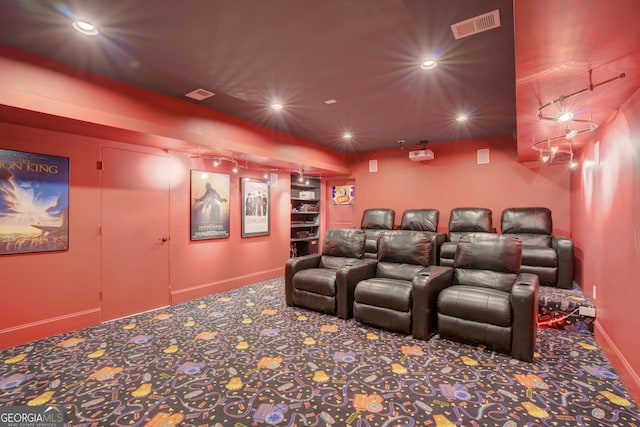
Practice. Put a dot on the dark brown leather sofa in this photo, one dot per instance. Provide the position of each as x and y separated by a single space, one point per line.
548 256
463 221
325 282
425 220
490 302
374 221
387 300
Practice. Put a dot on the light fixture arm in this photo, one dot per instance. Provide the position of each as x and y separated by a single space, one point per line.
562 98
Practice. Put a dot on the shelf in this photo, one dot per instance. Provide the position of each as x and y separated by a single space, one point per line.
303 186
305 222
304 239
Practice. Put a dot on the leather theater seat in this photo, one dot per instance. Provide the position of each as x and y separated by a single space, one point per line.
386 301
374 221
425 220
490 302
463 221
548 256
325 282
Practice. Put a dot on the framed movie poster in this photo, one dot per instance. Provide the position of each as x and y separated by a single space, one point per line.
209 205
256 210
34 202
343 194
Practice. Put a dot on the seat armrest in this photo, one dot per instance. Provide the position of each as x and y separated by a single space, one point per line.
425 289
564 249
347 277
292 266
524 306
437 239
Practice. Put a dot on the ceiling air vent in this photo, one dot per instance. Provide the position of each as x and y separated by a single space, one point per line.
476 25
199 94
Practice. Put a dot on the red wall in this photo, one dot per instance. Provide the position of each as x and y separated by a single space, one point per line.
50 108
48 293
202 267
605 206
454 179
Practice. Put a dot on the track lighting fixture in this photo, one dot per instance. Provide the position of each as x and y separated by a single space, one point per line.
267 173
560 147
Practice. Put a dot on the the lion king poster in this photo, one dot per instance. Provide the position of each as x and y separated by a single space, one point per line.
34 202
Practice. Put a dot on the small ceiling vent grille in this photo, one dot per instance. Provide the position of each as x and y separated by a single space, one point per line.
476 24
199 94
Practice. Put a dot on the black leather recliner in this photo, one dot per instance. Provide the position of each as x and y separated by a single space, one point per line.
462 222
374 221
425 220
325 282
548 256
387 300
490 302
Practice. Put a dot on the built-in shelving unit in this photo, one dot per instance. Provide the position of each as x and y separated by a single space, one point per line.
305 215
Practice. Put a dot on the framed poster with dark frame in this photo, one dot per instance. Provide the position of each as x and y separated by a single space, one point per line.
34 202
256 207
209 205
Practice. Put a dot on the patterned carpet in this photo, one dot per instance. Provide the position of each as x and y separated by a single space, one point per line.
560 309
242 358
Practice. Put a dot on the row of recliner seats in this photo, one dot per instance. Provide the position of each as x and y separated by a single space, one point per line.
484 299
548 256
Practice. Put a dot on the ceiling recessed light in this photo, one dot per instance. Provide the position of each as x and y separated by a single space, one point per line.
429 64
565 117
347 135
277 106
462 118
85 27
